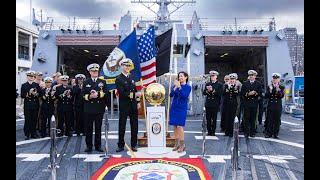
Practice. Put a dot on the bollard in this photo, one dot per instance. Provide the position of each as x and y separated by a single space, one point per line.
53 149
106 129
204 131
235 149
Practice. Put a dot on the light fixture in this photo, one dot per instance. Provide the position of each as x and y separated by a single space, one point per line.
198 36
78 31
86 50
93 31
45 35
224 30
223 55
261 30
69 30
246 31
255 30
197 52
239 31
84 31
63 30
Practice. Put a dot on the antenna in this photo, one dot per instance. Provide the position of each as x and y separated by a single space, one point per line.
163 14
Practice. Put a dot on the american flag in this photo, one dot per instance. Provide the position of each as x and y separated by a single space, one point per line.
147 55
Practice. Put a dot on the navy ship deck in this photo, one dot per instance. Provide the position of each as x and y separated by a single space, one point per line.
260 158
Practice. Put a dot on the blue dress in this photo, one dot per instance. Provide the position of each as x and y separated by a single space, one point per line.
179 105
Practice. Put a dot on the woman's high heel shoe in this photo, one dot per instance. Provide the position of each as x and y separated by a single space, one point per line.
176 145
182 146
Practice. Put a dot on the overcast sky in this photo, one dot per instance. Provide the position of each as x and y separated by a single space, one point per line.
287 13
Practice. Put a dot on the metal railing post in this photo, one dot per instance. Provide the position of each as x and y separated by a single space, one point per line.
203 131
106 130
235 150
53 149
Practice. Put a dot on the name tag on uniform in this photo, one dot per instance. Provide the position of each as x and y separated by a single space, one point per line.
88 85
131 95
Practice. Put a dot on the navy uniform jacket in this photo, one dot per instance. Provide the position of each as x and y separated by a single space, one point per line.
213 97
274 97
95 105
251 100
230 94
47 99
30 101
125 85
64 103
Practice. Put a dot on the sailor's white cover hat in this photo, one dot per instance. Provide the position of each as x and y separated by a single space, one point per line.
125 61
213 73
93 67
250 72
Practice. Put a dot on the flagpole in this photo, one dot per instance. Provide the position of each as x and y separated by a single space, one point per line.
170 74
144 102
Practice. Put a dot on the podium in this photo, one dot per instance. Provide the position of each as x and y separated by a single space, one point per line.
156 130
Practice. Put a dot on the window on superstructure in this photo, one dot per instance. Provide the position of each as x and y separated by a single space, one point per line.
23 46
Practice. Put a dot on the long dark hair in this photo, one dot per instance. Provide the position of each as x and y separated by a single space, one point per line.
185 74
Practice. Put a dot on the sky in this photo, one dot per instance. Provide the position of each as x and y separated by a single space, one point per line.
256 13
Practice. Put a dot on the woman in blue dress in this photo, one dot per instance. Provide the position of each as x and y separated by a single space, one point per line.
178 110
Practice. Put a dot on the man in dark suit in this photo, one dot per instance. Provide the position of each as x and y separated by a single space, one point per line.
250 92
213 91
64 95
30 92
93 92
127 105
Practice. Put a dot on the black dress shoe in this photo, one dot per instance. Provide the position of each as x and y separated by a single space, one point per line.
275 136
213 134
267 136
252 135
27 138
134 149
99 149
88 150
119 149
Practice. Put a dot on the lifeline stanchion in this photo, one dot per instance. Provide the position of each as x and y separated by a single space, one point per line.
235 149
53 149
203 132
106 130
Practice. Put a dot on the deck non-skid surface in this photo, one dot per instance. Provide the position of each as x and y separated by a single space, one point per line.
260 158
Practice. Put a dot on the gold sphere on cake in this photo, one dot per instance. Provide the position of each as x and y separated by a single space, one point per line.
155 93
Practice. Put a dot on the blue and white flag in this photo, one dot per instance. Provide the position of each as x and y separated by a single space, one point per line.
126 49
